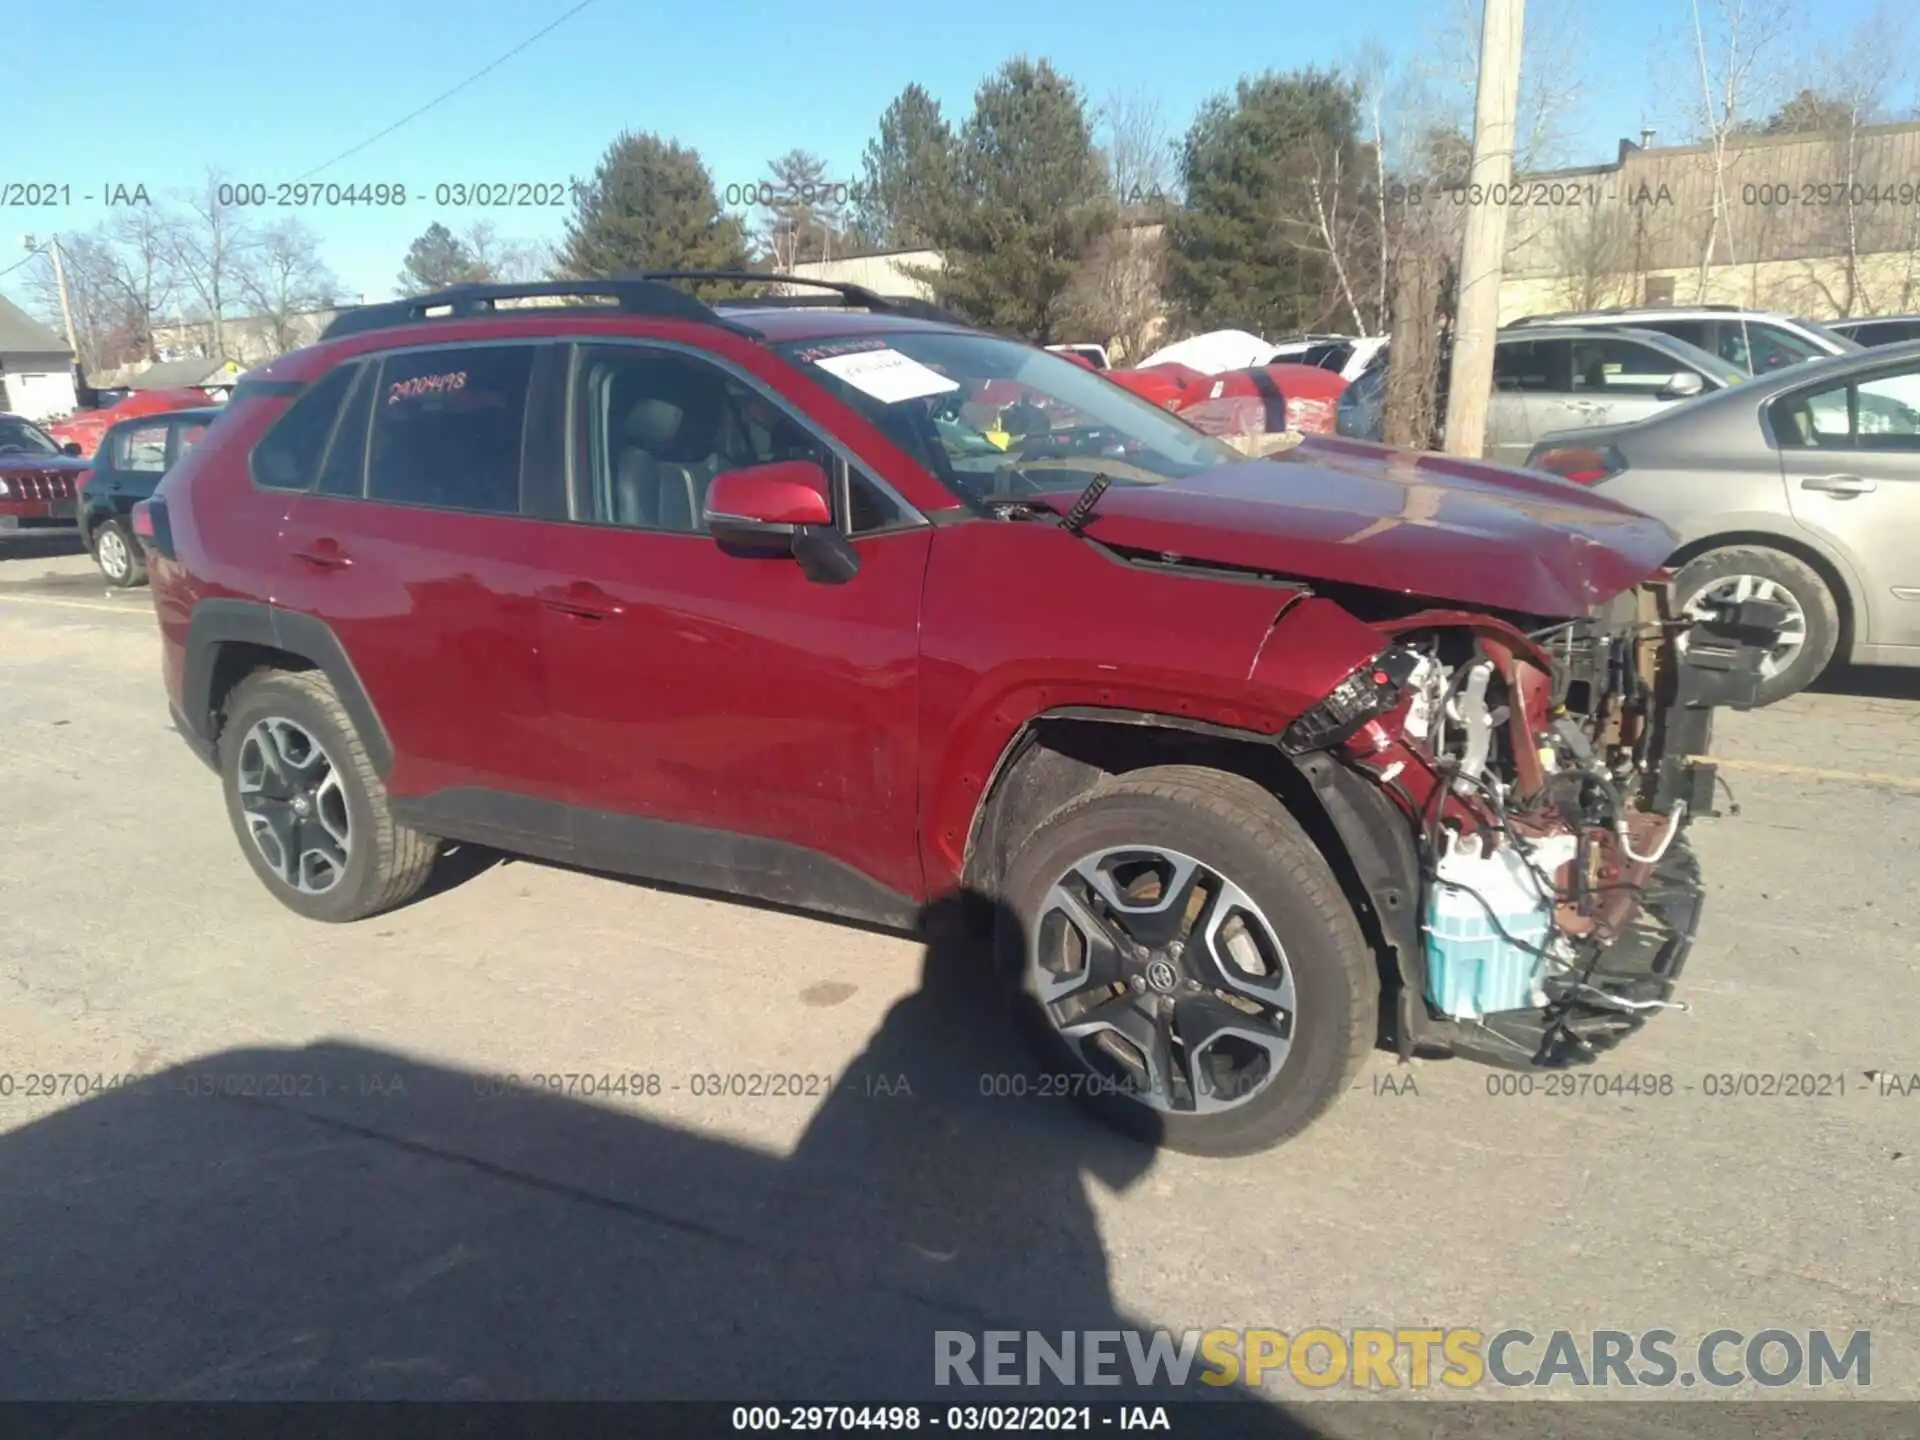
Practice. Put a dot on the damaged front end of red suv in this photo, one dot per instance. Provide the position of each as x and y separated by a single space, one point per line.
1539 782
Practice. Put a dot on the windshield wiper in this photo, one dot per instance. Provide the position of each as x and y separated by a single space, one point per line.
1081 510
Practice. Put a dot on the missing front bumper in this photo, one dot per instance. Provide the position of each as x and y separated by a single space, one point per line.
1631 980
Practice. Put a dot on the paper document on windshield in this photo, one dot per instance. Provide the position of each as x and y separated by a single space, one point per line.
887 375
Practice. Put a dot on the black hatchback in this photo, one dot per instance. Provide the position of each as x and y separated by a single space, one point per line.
127 467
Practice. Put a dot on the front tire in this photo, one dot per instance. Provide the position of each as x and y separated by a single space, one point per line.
307 807
1187 961
1754 572
118 555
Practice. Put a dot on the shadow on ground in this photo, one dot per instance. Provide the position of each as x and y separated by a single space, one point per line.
40 545
1872 682
392 1229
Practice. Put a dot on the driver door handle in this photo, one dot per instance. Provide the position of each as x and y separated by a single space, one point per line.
582 599
323 553
1845 486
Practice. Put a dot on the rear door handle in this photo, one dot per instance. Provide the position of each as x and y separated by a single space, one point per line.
582 599
323 552
1844 486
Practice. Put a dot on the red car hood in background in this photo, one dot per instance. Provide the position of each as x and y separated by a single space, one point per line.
1168 386
1351 512
86 428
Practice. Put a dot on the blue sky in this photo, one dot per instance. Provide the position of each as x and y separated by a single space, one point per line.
156 94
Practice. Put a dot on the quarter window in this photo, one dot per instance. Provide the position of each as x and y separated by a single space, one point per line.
448 427
1880 412
344 472
288 455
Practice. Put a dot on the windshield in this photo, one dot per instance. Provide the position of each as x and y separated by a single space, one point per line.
1843 344
1707 363
995 420
1758 347
23 437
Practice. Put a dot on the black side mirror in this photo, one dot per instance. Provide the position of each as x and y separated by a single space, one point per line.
72 447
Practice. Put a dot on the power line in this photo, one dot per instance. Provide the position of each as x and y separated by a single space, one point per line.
37 250
449 94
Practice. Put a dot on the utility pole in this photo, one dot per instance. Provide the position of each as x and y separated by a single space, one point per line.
66 305
1477 313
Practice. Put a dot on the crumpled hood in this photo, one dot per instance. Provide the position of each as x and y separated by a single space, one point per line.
1433 526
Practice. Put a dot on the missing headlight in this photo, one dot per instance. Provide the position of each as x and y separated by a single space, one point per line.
1368 690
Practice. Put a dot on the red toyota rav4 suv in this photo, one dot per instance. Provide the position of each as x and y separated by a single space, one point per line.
848 606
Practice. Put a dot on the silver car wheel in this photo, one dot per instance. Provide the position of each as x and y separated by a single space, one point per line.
1735 588
295 806
1164 978
112 553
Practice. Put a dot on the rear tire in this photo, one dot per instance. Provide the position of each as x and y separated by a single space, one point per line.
1765 573
118 555
307 807
1251 984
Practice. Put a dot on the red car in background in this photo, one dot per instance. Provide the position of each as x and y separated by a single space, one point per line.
86 428
39 478
1261 399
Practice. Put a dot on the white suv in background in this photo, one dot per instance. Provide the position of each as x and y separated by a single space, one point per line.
1758 341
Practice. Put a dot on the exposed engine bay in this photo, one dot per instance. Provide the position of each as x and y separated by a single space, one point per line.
1547 776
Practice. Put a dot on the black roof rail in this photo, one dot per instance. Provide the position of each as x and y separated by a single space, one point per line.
855 294
631 295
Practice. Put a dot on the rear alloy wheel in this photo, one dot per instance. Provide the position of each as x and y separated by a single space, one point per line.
1189 962
296 809
310 812
118 556
1811 631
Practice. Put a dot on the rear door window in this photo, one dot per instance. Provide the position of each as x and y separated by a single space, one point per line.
1542 366
1879 412
142 449
448 426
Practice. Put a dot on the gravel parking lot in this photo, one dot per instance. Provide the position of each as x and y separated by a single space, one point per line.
384 1220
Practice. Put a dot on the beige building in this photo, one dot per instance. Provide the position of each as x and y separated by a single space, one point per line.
1821 225
885 272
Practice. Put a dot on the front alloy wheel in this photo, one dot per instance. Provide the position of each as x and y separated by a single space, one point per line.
295 808
1188 963
1166 979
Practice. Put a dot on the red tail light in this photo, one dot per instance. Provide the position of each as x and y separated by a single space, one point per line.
152 528
1582 464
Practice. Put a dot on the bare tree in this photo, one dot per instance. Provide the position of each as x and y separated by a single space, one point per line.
143 270
1114 297
506 262
1593 252
1857 78
100 328
280 276
1554 69
1333 224
1138 147
1735 48
208 245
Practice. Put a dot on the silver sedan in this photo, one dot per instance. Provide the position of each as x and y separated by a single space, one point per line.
1801 486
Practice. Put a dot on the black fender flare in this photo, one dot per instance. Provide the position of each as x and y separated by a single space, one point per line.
218 623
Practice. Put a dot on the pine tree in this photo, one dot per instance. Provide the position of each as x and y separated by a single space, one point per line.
1031 199
436 259
650 205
